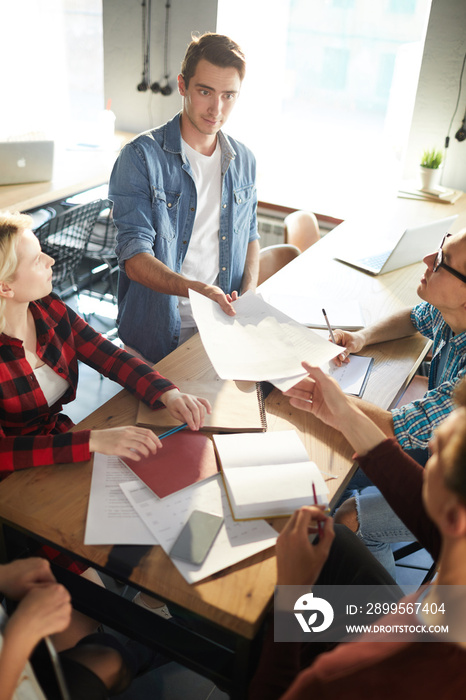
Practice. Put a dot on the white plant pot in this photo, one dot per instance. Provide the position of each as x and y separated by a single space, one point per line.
430 177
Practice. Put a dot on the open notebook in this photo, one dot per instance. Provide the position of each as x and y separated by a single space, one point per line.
267 475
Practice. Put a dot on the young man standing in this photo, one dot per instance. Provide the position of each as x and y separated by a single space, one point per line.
185 207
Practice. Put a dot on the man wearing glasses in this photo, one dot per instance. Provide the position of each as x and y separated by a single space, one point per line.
441 317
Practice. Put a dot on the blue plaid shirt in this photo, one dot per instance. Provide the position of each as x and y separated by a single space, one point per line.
415 422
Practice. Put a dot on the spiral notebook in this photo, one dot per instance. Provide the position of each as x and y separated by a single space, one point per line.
236 406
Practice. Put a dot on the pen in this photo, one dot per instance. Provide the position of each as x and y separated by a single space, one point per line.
319 524
329 326
173 430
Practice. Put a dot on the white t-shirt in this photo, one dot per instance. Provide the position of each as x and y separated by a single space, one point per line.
53 386
202 257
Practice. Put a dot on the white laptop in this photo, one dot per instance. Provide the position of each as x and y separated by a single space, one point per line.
409 247
25 161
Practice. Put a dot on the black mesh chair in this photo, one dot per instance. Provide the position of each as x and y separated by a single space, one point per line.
101 249
97 298
65 238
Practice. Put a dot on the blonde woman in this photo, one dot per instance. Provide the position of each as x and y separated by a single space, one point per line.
41 341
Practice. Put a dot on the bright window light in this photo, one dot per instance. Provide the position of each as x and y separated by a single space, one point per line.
327 101
52 55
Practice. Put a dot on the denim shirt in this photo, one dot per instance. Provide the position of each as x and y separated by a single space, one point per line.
155 199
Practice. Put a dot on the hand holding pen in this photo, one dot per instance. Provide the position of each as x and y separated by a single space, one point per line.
299 562
341 340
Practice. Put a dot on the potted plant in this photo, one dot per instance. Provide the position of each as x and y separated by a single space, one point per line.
430 167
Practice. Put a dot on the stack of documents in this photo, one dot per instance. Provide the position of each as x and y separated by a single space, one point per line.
442 195
166 517
259 343
123 510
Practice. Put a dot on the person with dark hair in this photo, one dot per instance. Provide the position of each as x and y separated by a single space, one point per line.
441 317
217 49
389 662
184 203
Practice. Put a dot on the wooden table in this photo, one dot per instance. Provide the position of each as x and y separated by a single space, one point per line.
51 502
73 171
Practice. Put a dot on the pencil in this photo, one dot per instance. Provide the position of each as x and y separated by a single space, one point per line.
319 524
172 430
329 326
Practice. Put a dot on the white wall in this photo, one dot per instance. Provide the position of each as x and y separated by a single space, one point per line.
437 93
122 20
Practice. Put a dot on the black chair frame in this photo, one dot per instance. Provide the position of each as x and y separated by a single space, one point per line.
65 238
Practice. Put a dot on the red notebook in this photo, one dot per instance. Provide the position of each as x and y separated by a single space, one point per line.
186 457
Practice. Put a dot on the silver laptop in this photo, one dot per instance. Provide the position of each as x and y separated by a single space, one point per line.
25 161
409 247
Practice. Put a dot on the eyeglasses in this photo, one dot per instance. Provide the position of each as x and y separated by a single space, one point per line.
438 262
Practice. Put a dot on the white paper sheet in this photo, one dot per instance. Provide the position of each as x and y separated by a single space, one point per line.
263 480
241 450
288 382
259 343
345 314
236 540
111 519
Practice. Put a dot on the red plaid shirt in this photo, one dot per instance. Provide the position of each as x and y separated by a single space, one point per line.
32 433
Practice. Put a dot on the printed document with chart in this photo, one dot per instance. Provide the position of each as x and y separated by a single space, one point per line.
260 343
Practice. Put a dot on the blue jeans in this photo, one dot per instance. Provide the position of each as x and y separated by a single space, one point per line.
379 526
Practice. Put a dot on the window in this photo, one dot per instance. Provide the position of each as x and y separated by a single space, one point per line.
334 68
54 49
402 6
327 101
343 4
385 75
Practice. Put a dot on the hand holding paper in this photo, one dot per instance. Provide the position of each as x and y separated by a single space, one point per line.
259 343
